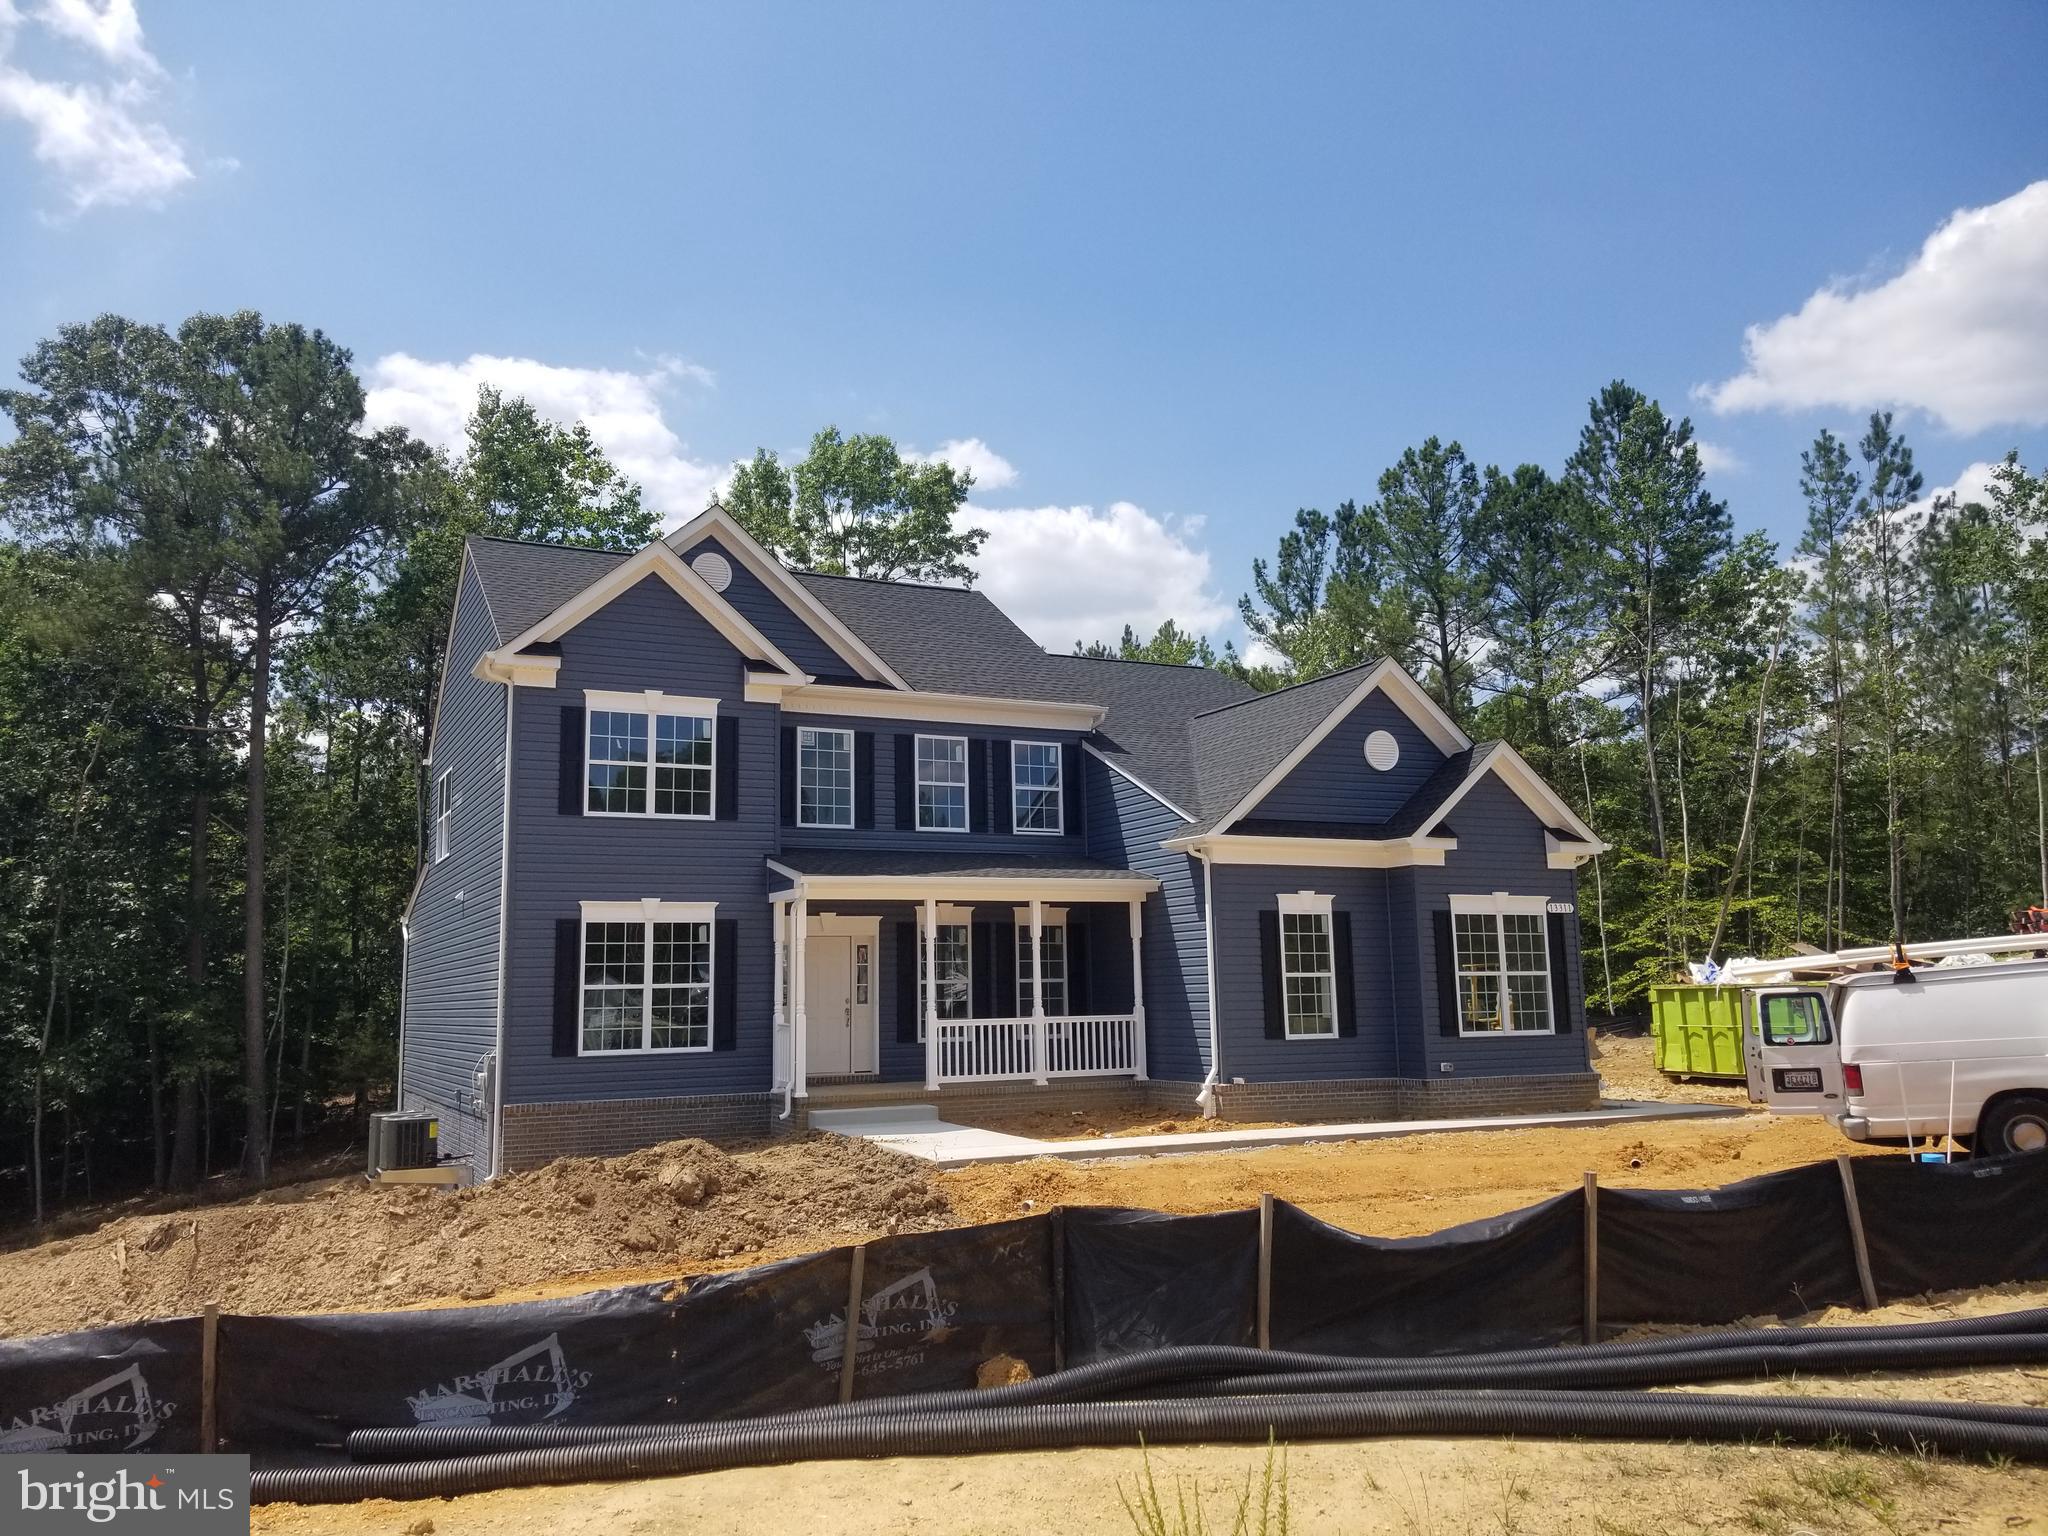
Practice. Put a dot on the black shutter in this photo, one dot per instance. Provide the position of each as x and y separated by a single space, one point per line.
1070 789
1006 970
1446 976
789 775
1347 987
1079 993
725 984
977 785
571 786
1002 797
727 791
907 1000
568 981
982 938
1560 977
1269 975
864 780
906 783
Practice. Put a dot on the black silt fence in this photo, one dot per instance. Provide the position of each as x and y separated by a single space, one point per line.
930 1310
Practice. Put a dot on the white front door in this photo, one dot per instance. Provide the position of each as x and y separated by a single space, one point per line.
828 1004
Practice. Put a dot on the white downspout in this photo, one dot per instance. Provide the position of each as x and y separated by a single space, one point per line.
1205 1096
404 981
504 929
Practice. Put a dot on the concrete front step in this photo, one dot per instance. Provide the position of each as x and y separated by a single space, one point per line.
868 1118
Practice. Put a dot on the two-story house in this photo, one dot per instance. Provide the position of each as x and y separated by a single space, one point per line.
715 842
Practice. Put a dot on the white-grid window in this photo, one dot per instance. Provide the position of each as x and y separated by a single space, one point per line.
1308 975
650 754
647 974
1035 786
942 784
824 778
1503 964
955 972
444 813
1052 967
682 765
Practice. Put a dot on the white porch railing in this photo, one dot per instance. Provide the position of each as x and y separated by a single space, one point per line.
1000 1050
1091 1045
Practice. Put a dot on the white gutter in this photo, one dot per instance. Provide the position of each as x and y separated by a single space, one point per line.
497 1105
1205 1096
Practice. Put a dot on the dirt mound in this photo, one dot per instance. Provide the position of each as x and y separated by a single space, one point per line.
346 1244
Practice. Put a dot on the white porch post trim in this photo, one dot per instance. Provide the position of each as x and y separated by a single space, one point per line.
1038 1034
1138 988
800 1036
931 994
785 1058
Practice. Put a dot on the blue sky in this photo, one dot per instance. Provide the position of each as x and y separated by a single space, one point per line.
1170 271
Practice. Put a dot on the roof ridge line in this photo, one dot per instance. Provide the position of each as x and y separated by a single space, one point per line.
1363 666
587 549
886 581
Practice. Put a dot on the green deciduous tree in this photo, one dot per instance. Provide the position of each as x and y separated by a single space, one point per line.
854 506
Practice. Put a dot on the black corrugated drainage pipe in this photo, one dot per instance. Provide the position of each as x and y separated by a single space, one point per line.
1194 1368
1902 1426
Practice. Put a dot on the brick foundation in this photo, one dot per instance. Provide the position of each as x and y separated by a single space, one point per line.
538 1133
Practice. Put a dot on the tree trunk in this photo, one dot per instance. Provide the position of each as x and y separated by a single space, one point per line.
159 1149
1599 885
256 1124
1756 765
184 1169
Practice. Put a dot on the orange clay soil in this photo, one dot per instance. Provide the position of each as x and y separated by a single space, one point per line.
688 1208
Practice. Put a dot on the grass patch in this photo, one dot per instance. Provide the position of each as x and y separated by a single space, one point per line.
1261 1507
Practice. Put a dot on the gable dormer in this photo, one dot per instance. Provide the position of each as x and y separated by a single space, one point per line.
1361 773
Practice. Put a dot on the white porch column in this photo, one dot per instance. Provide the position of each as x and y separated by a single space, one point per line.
785 1058
1038 1035
1138 987
800 1036
931 995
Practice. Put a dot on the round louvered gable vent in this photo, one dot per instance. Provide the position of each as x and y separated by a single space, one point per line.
1382 751
714 568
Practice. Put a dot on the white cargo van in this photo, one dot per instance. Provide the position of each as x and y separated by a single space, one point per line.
1962 1050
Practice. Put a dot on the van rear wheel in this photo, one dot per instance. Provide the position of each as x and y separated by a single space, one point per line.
2015 1124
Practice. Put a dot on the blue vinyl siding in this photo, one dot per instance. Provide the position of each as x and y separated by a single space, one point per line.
768 613
1243 891
1126 826
886 834
451 1004
1335 783
1500 848
646 638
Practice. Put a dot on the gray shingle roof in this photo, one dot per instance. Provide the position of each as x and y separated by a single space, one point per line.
963 865
524 583
1198 737
939 639
1238 744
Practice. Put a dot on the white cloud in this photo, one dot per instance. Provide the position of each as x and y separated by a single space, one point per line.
1961 333
96 135
1973 484
991 471
1075 573
625 412
1717 460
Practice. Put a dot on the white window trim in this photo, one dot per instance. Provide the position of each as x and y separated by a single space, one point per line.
650 703
1497 905
945 917
1308 904
852 777
648 912
966 784
444 811
1059 790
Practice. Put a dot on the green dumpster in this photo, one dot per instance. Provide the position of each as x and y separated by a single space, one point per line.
1697 1030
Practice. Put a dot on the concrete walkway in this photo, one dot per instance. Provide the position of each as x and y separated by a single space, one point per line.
917 1130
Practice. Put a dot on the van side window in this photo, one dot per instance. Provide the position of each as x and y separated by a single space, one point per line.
1790 1020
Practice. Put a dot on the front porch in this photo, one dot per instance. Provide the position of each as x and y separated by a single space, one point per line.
934 970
